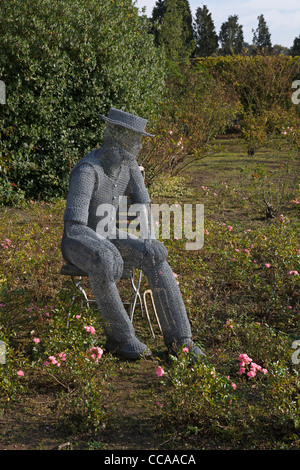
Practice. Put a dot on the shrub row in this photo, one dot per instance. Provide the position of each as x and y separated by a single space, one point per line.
63 63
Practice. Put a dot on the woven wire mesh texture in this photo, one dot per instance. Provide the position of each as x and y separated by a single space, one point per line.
101 178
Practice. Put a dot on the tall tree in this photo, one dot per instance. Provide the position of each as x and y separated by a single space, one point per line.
231 36
158 12
295 49
175 31
205 34
262 36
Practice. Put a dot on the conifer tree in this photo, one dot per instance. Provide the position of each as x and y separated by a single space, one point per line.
295 49
156 19
175 31
158 10
262 36
231 36
205 34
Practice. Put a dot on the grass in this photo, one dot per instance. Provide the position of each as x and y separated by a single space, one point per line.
240 298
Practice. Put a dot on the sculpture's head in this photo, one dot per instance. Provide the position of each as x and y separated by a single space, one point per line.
124 130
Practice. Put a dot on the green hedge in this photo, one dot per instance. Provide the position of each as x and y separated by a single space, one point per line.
262 82
63 62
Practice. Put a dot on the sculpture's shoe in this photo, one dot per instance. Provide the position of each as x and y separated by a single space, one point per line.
197 352
128 349
194 350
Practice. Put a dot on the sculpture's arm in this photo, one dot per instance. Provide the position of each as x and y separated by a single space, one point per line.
81 186
138 194
82 183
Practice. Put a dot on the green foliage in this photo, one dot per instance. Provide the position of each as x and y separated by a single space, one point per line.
233 397
262 82
166 185
231 36
205 34
263 85
265 260
63 63
295 49
11 369
195 393
158 12
185 134
253 131
262 36
175 30
71 358
199 397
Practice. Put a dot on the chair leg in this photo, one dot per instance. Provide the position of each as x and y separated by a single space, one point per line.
149 292
137 295
77 283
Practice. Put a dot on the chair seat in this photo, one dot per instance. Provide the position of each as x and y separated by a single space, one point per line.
71 270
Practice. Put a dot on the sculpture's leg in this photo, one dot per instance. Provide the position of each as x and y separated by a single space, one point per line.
96 261
169 304
151 258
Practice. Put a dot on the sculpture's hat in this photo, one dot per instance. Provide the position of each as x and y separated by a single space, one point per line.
130 121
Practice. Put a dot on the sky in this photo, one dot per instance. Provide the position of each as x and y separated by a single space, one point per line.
282 16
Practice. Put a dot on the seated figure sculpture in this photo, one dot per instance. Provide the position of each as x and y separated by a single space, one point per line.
102 177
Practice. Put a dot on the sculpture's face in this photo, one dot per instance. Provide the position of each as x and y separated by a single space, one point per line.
124 138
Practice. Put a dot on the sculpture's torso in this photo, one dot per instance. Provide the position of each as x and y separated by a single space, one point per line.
91 187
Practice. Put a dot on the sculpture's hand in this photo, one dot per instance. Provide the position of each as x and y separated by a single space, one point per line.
116 260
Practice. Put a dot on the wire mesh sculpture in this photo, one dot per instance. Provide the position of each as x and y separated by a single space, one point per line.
96 184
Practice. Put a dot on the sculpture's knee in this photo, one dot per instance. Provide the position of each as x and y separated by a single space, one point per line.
106 266
155 253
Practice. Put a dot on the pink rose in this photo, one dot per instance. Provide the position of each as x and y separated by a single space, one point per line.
90 329
245 358
251 374
159 371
